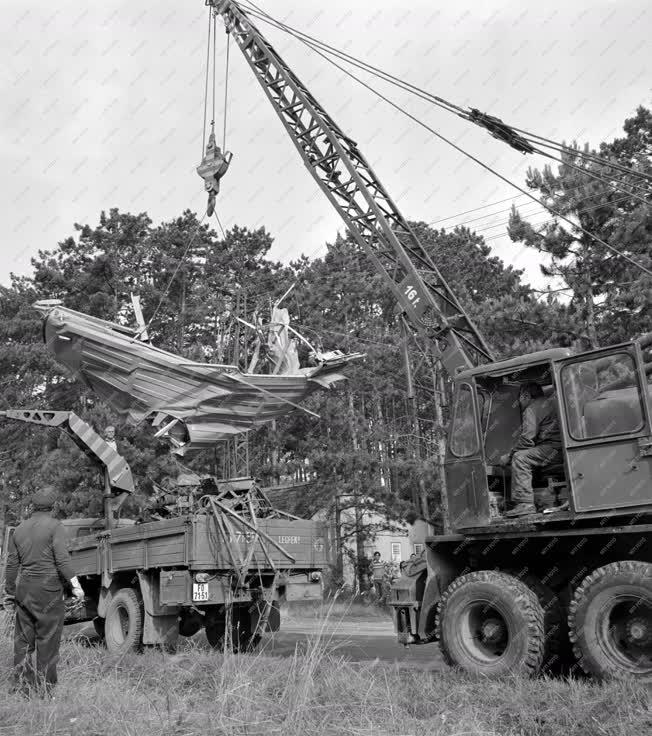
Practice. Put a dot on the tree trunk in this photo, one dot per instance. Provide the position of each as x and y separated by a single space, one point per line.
359 536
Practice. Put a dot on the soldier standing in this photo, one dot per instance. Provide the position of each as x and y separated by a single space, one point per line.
38 572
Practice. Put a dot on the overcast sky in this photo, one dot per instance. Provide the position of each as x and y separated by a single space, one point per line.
103 105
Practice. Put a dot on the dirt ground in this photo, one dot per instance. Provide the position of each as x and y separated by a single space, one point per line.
352 637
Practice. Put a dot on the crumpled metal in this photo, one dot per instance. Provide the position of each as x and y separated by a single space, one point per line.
192 405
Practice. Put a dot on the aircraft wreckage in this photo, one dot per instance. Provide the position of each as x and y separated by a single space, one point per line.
192 405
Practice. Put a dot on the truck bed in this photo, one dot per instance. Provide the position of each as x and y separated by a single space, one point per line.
194 542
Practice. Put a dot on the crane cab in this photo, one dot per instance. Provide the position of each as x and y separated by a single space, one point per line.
604 403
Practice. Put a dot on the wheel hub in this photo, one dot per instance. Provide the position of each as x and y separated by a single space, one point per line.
637 631
492 631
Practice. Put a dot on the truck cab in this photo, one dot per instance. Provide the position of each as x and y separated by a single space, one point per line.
604 403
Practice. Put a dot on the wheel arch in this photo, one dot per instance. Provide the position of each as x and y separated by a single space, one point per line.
445 563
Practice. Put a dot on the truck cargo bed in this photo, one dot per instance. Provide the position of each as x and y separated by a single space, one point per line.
194 541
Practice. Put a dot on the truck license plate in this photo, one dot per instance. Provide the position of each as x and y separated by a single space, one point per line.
199 592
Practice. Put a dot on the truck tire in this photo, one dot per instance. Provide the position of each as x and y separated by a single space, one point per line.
98 625
190 623
491 623
610 621
238 638
557 651
123 624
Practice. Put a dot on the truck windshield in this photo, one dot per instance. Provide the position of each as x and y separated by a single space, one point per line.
602 397
464 435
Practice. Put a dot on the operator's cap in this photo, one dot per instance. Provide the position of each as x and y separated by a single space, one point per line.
44 499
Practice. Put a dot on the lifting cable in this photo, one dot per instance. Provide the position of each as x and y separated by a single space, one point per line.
214 65
208 57
219 222
494 125
508 199
464 152
226 88
181 261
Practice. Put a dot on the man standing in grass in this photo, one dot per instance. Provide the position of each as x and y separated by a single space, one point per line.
38 572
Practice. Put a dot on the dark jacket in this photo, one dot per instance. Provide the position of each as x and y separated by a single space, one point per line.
540 425
38 549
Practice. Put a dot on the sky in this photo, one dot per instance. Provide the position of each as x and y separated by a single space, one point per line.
103 107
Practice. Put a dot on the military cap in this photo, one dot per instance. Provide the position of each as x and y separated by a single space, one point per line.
44 499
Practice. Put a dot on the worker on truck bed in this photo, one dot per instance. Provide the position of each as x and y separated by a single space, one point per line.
538 445
38 571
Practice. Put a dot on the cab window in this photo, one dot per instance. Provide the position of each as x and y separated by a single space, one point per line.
464 435
602 397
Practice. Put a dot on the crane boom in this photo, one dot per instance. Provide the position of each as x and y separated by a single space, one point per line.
372 218
118 472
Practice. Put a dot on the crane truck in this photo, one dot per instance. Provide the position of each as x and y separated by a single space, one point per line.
224 562
500 595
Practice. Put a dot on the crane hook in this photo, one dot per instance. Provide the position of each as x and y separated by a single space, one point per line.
212 168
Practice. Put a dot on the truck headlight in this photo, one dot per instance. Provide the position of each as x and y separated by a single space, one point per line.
315 577
201 577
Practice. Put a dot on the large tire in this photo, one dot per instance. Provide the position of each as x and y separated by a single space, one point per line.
557 651
231 632
491 623
610 621
123 624
190 622
98 625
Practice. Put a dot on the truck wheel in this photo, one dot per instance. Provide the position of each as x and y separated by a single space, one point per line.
98 625
190 622
239 637
610 621
557 652
123 627
491 623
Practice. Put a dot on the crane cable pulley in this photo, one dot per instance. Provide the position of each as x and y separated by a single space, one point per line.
215 161
500 130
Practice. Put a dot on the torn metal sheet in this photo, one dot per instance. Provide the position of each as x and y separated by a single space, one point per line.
192 405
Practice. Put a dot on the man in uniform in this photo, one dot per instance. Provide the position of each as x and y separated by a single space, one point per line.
538 445
38 572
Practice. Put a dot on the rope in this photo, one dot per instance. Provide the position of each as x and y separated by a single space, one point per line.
176 271
226 89
219 223
420 92
541 141
598 177
214 65
474 158
208 61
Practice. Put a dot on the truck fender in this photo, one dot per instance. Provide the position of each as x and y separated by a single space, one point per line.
443 568
160 622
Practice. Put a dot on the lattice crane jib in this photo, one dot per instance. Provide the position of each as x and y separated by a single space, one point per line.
372 218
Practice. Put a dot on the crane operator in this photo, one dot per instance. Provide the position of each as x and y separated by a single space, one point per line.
538 445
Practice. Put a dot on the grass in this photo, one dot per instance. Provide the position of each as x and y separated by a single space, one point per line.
199 691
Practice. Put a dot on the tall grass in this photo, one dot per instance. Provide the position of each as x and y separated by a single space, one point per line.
199 691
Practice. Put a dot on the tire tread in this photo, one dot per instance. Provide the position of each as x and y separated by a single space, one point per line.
527 600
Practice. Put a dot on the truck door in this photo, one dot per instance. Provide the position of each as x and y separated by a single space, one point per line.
466 477
606 425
